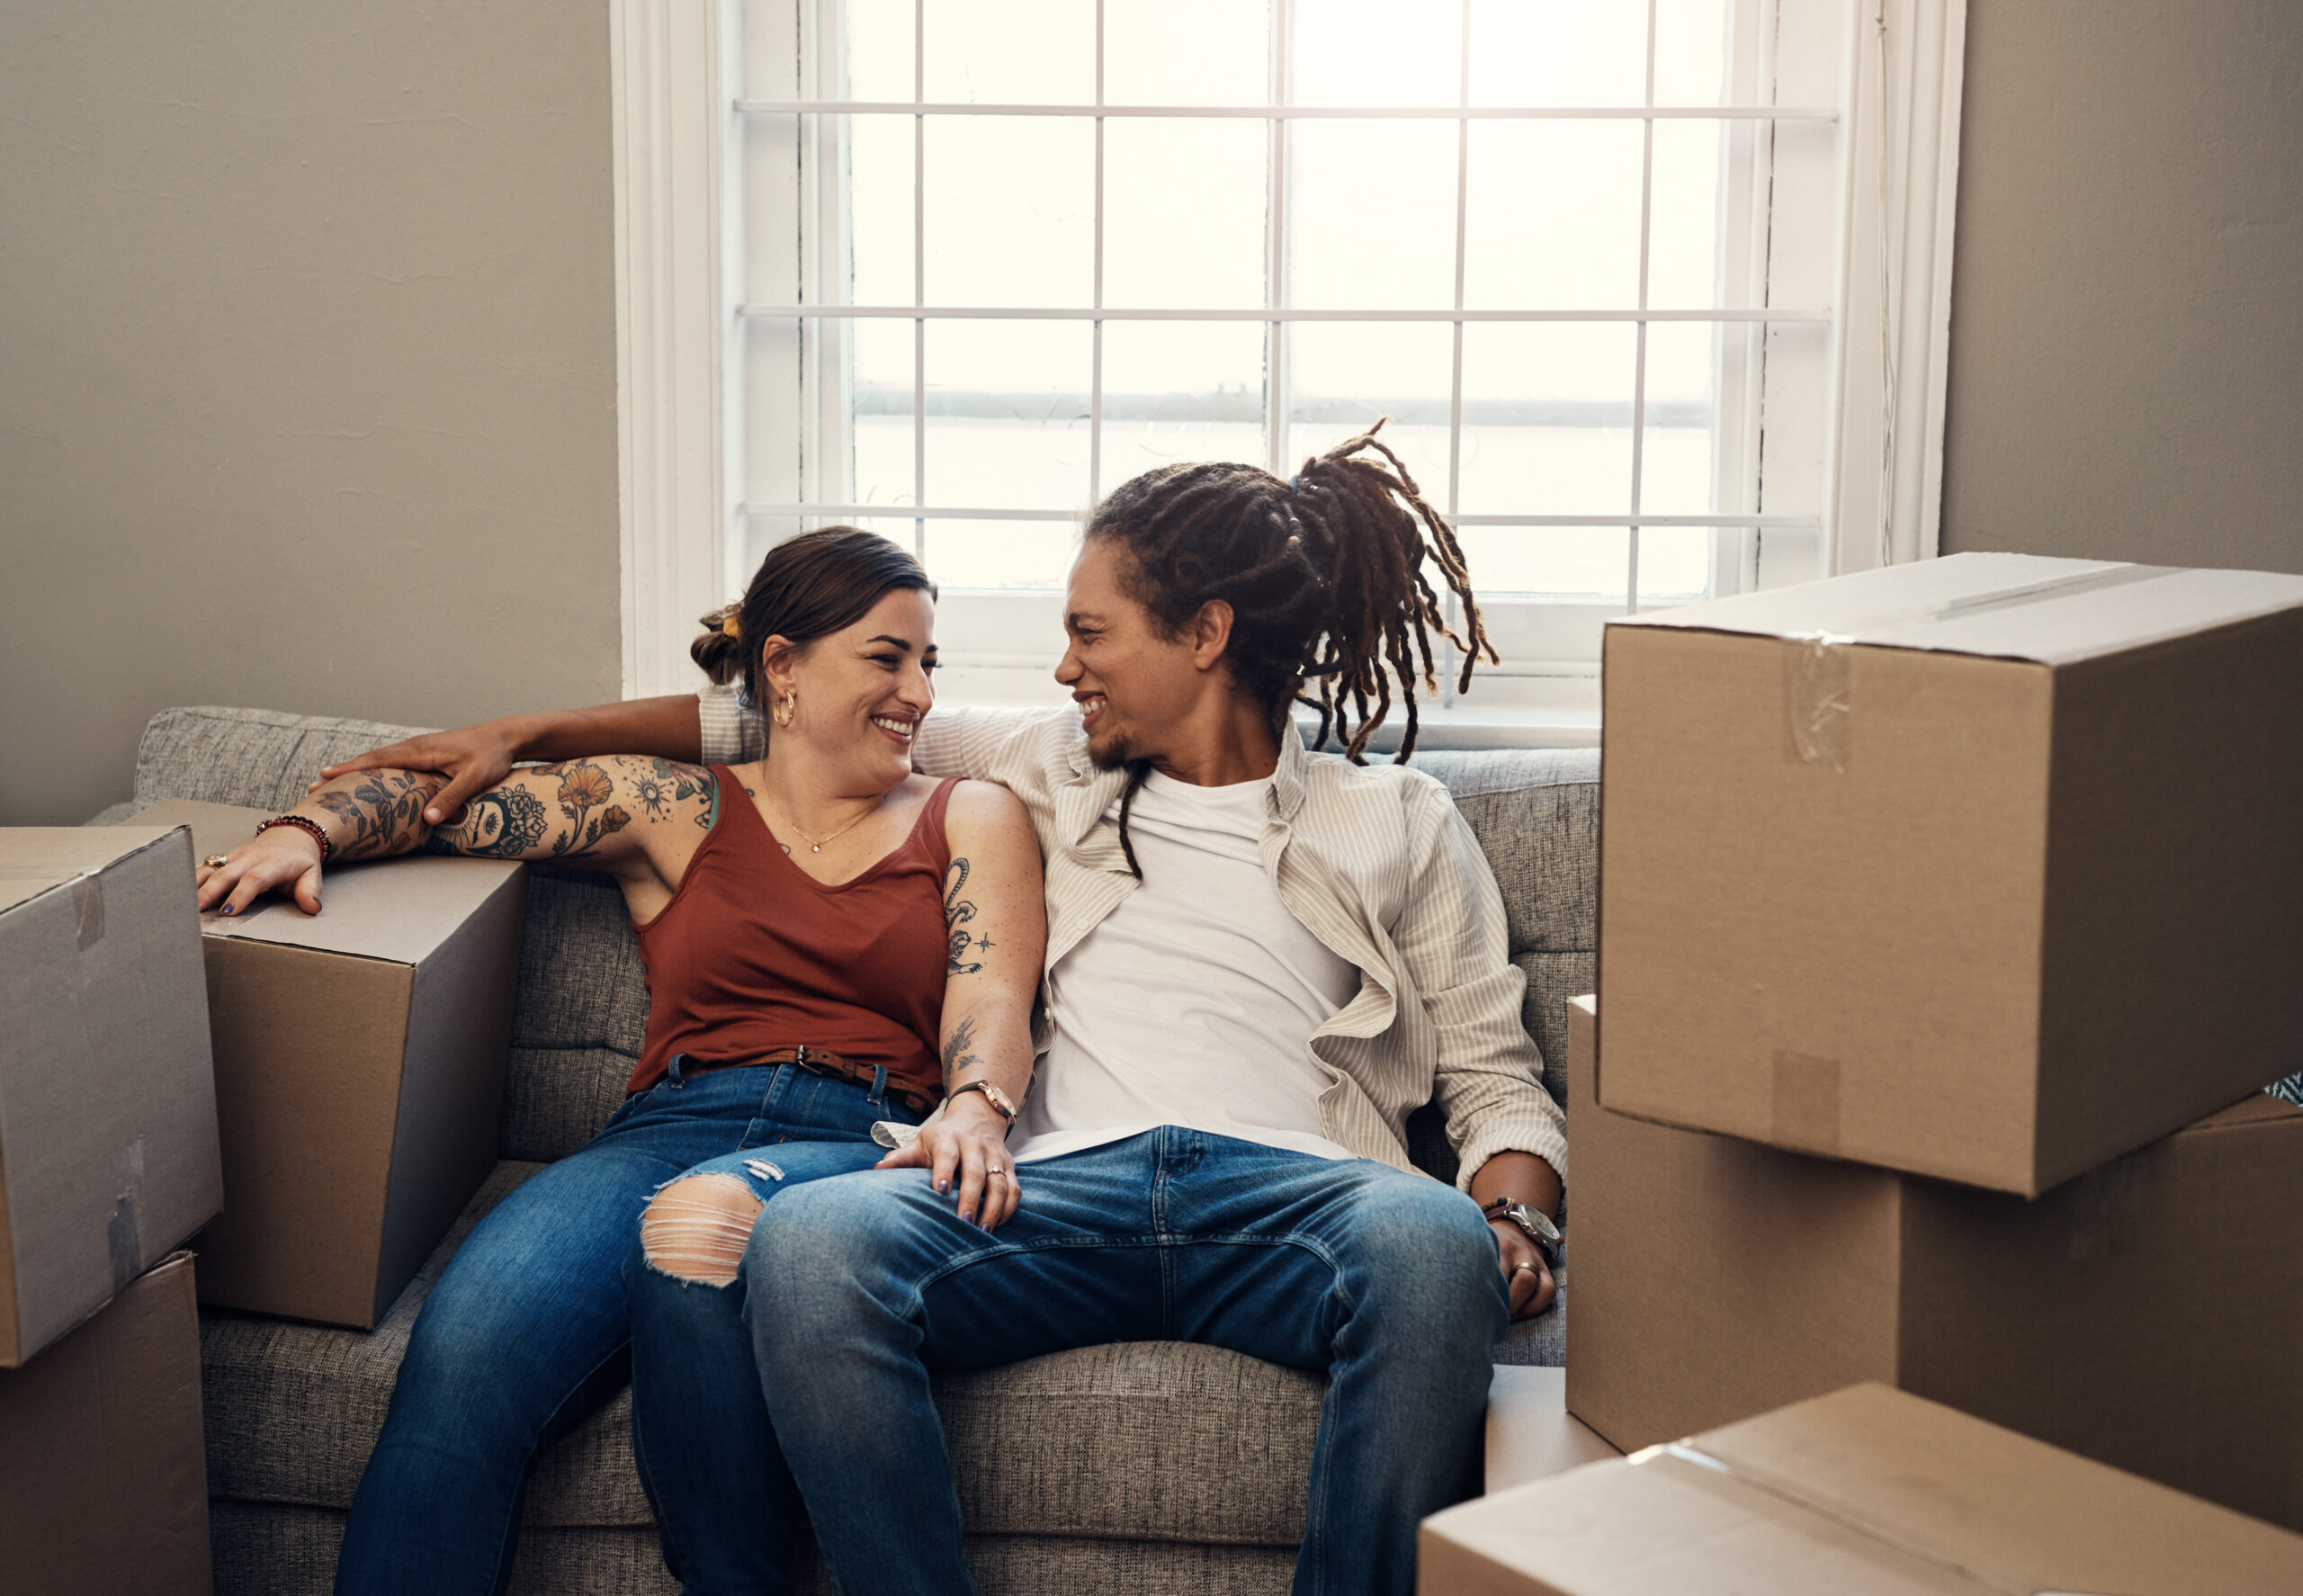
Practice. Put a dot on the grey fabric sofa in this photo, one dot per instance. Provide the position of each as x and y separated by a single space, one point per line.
1151 1467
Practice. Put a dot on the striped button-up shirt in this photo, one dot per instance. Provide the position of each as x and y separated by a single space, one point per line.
1376 863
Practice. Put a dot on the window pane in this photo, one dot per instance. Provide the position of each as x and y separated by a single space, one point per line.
1678 469
1009 554
1375 52
1010 211
879 157
1183 212
1553 218
878 40
1547 418
1008 415
1187 52
1011 52
1587 52
883 457
1181 390
773 411
1343 375
1690 52
1674 563
1372 209
1518 561
1683 262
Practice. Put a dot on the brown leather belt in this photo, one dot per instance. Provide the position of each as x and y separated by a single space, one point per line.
831 1065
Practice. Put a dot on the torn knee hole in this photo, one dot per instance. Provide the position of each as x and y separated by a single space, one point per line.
695 1228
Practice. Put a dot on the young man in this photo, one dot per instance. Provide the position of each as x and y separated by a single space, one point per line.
1260 961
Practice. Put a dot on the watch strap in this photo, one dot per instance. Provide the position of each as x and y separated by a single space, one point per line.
999 1100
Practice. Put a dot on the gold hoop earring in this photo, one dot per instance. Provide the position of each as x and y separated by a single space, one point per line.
785 708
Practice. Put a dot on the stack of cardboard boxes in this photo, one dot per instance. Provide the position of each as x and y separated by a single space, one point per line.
108 1162
331 1086
1952 922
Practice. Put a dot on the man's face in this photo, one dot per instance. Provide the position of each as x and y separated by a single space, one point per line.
1133 685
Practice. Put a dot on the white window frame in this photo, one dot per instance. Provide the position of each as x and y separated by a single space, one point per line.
676 72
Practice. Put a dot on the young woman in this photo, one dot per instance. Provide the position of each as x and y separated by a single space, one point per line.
831 941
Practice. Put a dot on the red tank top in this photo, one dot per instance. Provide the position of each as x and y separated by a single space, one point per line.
753 953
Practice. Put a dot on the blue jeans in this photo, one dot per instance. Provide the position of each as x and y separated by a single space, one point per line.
525 1333
1385 1279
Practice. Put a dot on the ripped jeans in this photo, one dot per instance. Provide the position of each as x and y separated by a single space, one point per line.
526 1332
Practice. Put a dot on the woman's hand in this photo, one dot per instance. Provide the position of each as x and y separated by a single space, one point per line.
1531 1286
968 1145
281 857
474 758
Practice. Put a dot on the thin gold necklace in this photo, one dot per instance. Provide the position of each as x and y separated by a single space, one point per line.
815 846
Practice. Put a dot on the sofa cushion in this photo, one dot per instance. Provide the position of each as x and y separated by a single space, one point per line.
1159 1441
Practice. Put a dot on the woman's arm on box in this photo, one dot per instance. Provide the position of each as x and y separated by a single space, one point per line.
475 759
636 818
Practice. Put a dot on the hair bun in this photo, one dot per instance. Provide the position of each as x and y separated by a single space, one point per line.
718 652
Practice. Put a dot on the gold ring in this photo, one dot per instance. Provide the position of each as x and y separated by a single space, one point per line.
997 1170
1523 1268
214 862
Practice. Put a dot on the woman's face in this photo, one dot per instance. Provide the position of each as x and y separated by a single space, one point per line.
862 692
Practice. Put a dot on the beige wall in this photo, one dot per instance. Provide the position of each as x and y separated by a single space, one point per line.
2127 301
307 370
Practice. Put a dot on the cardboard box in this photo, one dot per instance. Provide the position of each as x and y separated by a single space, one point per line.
1865 1490
2144 1315
108 1154
360 1058
1901 866
104 1474
1530 1433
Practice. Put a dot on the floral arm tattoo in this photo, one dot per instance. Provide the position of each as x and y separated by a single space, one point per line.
958 912
515 821
382 809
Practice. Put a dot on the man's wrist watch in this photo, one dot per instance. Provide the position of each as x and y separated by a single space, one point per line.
1000 1103
1533 1223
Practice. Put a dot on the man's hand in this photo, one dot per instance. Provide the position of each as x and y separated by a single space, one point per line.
474 758
1531 1286
1521 1178
969 1142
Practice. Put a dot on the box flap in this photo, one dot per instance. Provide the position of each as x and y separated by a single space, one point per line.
2012 1513
2257 1108
399 910
35 858
2016 606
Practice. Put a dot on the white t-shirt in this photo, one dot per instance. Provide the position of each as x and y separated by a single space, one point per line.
1193 1003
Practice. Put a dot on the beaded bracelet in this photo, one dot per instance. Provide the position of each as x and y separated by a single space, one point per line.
328 848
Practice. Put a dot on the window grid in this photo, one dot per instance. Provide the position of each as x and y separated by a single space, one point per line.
1275 313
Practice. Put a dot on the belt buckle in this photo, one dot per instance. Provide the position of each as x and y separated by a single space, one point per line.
806 1057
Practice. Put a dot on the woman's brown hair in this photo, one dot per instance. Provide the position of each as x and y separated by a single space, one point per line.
809 586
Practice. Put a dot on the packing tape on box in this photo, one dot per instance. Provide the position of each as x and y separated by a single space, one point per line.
88 909
124 1236
1818 700
1695 1458
1804 1103
1818 684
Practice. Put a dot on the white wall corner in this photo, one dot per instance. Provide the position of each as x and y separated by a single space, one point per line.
664 64
1895 282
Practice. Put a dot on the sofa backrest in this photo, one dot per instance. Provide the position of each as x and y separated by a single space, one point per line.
583 1010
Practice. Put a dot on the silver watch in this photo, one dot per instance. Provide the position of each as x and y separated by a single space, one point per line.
1533 1223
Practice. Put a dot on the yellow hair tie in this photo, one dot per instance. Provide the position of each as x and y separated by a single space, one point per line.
729 629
